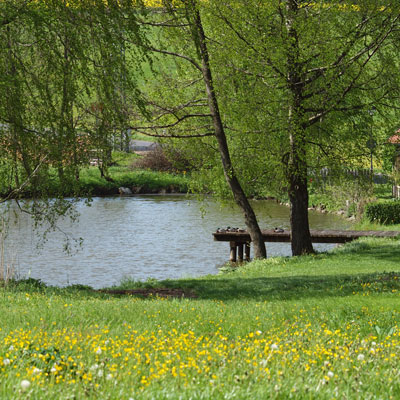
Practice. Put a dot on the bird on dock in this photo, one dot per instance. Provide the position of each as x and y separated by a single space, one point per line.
279 230
229 229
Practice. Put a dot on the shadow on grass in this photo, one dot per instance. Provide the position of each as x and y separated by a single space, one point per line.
295 287
290 288
362 249
258 288
368 251
31 286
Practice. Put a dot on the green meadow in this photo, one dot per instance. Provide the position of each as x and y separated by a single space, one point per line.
324 326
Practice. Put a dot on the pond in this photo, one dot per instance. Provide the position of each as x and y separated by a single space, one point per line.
143 237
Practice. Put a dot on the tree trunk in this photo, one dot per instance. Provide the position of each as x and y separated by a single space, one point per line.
298 195
14 110
230 176
297 164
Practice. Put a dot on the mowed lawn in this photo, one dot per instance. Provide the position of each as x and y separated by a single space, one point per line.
323 327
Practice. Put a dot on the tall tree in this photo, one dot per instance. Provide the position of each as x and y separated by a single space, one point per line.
191 45
306 65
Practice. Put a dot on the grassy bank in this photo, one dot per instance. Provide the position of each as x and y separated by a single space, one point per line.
138 180
121 173
324 326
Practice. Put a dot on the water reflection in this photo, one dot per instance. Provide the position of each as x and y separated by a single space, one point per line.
142 237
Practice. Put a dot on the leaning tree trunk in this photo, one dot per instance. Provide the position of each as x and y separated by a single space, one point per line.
230 176
297 165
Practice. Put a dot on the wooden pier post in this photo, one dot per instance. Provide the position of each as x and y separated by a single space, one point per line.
247 251
237 239
240 252
233 251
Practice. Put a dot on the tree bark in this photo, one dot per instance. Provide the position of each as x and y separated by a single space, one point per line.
298 195
230 176
297 164
15 116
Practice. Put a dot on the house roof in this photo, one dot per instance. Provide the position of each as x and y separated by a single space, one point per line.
395 139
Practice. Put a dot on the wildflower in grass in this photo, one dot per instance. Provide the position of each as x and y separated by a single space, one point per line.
6 361
330 374
360 357
94 367
36 371
109 377
25 384
274 346
98 350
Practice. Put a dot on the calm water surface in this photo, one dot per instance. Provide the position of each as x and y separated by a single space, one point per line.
141 237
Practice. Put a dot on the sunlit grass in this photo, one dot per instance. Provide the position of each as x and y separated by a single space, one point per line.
323 326
91 181
121 174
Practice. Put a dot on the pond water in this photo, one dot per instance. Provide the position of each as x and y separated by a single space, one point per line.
141 237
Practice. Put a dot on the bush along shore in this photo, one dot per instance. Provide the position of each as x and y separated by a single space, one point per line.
322 326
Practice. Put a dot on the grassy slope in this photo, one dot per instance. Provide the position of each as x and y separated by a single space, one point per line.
122 175
324 326
91 181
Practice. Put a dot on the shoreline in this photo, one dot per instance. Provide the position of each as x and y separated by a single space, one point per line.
264 329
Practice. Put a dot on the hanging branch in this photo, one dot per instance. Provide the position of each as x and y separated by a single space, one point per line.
18 190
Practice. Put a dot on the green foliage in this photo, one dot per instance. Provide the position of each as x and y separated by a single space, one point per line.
387 212
122 159
66 85
341 190
250 55
383 191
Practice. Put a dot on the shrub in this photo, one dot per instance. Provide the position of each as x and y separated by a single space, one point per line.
154 160
385 213
165 159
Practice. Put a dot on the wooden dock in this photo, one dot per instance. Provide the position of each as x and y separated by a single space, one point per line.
239 241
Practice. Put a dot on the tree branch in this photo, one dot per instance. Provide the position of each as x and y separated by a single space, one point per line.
14 192
171 53
198 135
